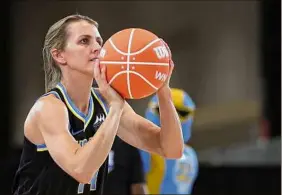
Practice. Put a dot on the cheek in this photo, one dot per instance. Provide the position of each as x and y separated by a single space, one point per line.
76 54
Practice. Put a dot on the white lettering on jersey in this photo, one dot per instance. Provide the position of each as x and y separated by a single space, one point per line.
111 161
99 119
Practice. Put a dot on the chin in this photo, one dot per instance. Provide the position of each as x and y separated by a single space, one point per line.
89 71
89 74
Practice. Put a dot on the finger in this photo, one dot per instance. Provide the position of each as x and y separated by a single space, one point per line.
167 47
97 72
102 82
171 67
103 73
171 63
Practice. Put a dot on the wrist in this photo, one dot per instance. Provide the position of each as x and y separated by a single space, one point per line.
164 92
116 107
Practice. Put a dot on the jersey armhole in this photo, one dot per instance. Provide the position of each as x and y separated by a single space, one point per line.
52 92
43 147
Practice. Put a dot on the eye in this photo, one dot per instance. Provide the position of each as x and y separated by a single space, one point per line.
84 41
99 41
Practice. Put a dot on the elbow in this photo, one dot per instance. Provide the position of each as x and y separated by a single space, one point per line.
82 176
83 179
176 153
79 172
179 152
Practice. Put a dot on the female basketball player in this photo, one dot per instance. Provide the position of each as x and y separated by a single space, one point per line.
70 130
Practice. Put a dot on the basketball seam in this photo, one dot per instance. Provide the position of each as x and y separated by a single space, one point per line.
134 53
135 63
133 72
128 60
144 48
115 48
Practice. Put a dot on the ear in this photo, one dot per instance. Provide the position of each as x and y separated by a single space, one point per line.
58 56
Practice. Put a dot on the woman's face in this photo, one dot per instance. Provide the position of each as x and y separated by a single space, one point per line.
82 46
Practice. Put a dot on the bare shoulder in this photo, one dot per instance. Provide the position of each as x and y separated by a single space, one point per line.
45 109
45 106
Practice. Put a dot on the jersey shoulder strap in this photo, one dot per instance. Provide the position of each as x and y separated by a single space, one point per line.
98 96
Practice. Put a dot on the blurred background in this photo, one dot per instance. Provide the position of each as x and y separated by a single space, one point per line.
227 56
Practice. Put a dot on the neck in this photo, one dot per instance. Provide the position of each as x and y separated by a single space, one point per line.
78 87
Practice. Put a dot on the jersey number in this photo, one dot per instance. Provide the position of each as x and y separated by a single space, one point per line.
93 183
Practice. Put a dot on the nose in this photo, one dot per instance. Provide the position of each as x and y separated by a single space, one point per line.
96 48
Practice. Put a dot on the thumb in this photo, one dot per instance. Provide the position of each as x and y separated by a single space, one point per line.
171 67
167 47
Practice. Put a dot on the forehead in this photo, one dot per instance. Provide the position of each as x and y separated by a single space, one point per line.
78 28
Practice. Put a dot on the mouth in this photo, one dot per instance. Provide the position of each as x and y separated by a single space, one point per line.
93 59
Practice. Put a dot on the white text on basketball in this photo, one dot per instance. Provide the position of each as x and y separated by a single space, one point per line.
160 76
161 52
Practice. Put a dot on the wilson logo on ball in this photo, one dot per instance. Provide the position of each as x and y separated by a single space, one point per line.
160 76
161 52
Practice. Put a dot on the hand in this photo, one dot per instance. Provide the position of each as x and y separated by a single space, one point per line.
111 96
171 66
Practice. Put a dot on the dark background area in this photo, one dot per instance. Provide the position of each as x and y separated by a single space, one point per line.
225 180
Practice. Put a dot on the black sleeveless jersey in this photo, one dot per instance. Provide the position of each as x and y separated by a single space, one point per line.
38 174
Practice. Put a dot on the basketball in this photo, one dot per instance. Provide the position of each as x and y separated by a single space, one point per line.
137 62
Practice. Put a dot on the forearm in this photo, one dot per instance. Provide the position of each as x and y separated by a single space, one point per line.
91 156
171 139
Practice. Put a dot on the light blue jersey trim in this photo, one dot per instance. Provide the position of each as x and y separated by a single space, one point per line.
41 148
80 115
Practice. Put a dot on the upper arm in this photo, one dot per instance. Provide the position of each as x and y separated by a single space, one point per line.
139 132
52 121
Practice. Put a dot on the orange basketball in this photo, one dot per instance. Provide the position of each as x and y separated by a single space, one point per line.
137 62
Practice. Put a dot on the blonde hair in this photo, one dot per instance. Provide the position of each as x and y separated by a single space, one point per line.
56 38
